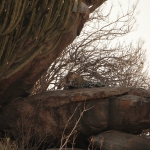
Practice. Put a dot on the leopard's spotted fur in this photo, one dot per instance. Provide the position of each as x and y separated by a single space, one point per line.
74 80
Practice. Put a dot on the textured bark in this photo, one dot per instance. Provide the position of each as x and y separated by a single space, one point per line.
47 114
21 83
115 140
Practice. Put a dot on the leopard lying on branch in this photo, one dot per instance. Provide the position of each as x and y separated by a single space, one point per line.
74 80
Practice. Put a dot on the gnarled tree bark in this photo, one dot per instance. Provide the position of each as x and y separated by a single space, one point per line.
16 80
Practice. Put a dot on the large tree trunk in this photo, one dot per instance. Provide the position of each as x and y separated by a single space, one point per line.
85 111
18 78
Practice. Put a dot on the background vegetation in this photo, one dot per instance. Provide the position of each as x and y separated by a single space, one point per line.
98 55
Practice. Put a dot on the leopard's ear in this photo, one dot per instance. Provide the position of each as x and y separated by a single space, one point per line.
76 72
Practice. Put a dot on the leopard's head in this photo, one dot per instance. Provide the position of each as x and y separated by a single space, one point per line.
72 78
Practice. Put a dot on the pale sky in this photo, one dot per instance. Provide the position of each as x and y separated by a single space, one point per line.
142 18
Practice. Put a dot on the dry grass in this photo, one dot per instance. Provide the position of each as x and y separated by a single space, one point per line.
7 144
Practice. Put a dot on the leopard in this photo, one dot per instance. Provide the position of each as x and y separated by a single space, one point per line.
74 80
